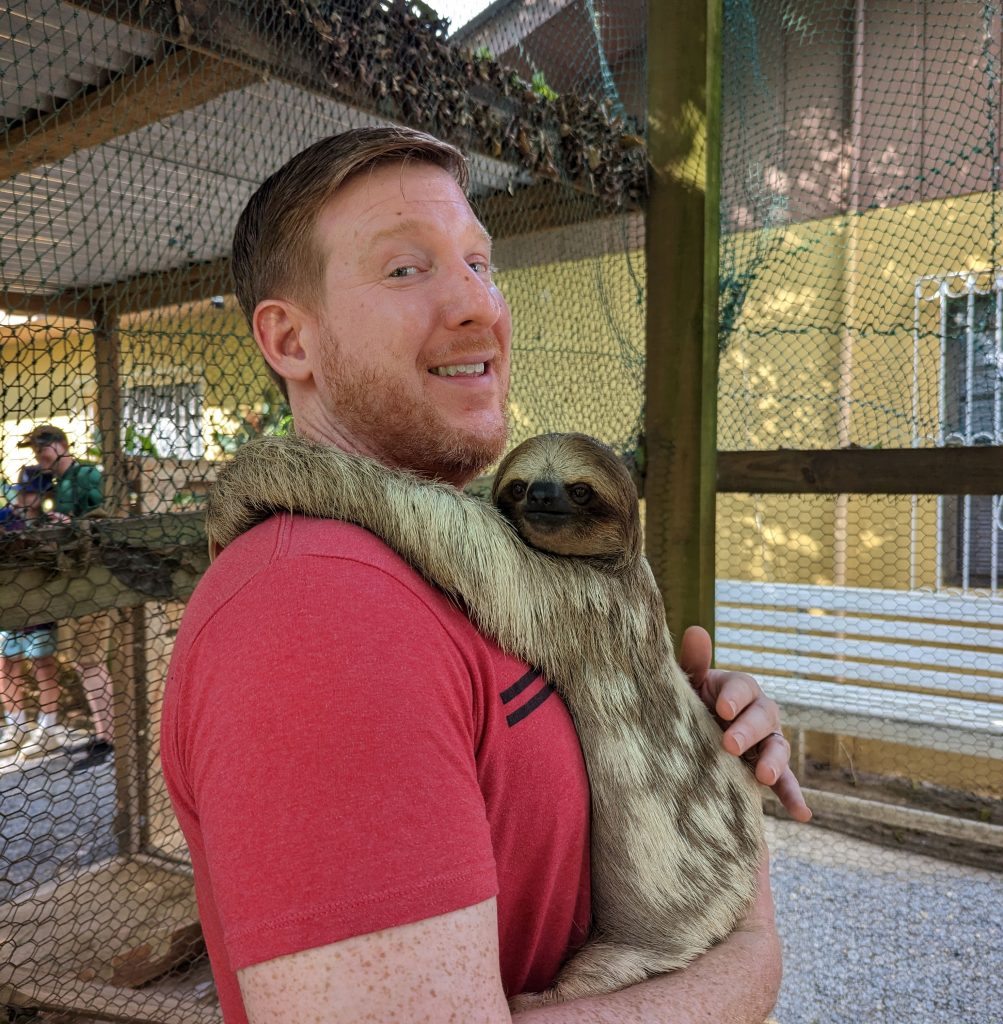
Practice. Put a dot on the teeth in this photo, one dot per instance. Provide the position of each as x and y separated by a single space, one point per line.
468 370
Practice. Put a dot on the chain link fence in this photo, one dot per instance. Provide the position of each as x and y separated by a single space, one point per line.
859 424
134 134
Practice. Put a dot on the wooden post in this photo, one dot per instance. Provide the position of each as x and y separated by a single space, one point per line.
126 661
107 358
681 249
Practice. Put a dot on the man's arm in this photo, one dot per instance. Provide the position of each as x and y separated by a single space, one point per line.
446 969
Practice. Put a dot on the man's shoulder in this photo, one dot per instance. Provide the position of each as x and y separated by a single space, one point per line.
288 537
300 553
81 467
292 567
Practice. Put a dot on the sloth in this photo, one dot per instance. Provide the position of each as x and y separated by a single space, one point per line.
553 569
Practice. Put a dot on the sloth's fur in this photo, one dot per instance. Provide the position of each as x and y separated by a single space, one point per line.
676 821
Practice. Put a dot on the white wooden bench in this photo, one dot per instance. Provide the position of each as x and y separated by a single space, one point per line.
919 668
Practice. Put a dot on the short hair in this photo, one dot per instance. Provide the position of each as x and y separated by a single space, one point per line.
42 435
274 252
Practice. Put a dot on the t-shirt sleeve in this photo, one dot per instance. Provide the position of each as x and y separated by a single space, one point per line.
330 753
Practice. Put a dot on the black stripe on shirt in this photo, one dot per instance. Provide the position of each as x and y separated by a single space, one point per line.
519 685
531 705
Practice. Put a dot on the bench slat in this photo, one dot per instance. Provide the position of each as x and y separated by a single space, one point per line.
937 723
956 651
978 609
757 663
801 622
969 673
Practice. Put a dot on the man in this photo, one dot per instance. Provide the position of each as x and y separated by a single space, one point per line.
375 835
78 492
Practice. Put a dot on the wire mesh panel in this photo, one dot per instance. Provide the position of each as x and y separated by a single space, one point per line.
134 135
860 271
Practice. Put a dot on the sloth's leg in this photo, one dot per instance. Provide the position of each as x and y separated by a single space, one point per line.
597 968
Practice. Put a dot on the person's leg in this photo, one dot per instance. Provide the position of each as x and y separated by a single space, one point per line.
97 685
12 690
92 643
51 735
45 668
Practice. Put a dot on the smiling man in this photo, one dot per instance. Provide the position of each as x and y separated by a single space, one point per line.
387 815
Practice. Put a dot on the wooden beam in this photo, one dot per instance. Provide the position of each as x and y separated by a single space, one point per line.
540 207
107 361
132 561
975 470
66 304
681 257
168 85
190 283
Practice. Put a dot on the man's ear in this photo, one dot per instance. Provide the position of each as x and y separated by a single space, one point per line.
282 330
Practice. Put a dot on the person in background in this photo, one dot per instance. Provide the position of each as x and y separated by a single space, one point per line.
79 491
31 649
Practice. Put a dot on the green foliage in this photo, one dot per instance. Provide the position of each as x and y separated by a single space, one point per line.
540 87
271 417
133 443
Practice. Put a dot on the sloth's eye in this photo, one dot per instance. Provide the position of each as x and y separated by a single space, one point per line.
517 489
580 493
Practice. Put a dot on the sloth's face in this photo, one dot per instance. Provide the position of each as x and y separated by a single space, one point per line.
569 495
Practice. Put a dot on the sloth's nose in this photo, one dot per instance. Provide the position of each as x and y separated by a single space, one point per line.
542 496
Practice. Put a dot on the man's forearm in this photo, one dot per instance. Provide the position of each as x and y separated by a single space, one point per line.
734 983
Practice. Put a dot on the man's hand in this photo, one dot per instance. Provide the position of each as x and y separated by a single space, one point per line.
754 729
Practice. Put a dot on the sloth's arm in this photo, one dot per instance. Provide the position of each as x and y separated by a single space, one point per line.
459 543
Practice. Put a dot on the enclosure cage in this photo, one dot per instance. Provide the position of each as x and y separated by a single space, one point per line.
813 412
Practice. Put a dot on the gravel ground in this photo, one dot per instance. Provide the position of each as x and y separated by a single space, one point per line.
52 818
879 936
870 935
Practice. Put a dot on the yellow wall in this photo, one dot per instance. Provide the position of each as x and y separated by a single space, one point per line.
577 348
48 376
781 375
49 372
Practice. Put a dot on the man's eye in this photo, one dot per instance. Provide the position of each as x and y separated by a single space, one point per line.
480 267
408 271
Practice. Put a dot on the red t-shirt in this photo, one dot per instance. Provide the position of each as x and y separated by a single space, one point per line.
345 753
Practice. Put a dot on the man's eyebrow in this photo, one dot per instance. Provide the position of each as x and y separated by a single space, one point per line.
408 226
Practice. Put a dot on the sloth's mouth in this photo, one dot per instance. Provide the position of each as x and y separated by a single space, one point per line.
546 518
